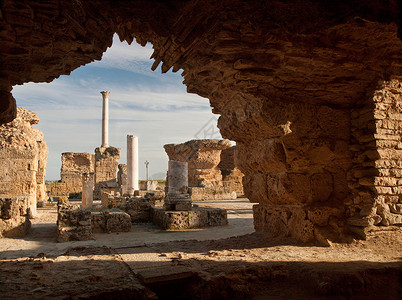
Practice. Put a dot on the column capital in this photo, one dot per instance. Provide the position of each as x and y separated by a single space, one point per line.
105 94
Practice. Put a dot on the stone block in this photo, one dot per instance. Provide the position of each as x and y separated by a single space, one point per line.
14 216
195 218
117 221
139 208
73 223
98 221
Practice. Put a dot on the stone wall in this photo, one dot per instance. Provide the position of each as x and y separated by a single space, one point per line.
376 177
297 169
72 167
232 177
14 218
106 162
23 155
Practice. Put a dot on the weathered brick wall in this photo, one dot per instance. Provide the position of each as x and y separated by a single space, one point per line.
376 178
23 155
106 162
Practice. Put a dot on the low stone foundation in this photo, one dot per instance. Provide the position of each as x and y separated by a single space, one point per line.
198 217
139 209
110 221
14 216
214 193
306 223
78 224
73 223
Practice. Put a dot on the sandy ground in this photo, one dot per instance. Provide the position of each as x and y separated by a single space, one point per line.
228 262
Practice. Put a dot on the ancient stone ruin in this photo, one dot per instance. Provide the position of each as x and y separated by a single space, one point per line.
205 179
178 211
232 177
73 165
23 155
310 91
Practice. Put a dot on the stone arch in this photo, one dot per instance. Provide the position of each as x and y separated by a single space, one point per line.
293 82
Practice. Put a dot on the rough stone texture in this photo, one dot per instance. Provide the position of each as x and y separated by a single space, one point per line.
232 177
106 162
204 176
73 223
110 221
203 157
78 224
214 193
23 155
87 190
14 218
376 178
283 75
195 218
139 208
122 178
72 166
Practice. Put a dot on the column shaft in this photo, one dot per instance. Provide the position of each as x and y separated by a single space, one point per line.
132 163
105 119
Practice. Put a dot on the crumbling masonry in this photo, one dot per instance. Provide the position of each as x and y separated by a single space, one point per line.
23 155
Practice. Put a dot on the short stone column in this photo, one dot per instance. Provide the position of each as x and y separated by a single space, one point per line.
132 164
87 190
177 177
105 119
177 197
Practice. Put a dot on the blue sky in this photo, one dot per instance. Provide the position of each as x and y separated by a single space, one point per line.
151 105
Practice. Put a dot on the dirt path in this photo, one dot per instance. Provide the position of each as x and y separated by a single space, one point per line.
229 262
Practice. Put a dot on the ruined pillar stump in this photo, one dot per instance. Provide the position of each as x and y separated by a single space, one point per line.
87 190
177 197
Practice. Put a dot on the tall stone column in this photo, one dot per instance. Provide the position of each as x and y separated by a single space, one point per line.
132 163
87 190
105 119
